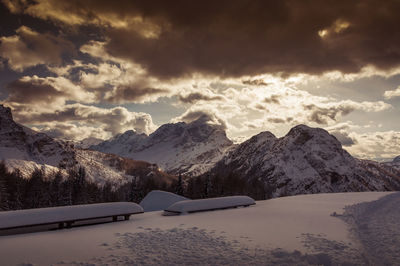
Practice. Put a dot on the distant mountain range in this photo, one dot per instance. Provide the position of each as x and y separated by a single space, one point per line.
24 149
306 160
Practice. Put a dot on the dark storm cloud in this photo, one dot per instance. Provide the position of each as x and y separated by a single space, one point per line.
274 98
276 120
114 120
236 37
344 138
33 91
202 116
255 82
121 94
197 96
29 48
321 115
50 92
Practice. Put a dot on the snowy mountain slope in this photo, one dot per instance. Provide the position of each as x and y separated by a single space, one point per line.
180 148
19 144
24 149
86 143
306 160
101 167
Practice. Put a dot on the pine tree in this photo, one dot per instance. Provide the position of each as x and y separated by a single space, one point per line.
208 187
79 186
136 193
179 186
34 191
55 191
3 190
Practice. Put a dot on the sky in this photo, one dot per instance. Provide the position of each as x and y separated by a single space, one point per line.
79 69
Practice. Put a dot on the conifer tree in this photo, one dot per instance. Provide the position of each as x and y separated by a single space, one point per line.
179 186
3 190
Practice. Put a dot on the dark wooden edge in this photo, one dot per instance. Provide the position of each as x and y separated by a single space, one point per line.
71 221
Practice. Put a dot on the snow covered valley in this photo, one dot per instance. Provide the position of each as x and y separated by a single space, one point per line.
297 230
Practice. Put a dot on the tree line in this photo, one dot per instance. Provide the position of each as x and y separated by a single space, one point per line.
56 189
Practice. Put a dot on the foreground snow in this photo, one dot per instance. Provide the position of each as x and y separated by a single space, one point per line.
299 230
377 225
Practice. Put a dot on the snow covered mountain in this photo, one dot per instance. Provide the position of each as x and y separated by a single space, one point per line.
24 149
180 148
306 160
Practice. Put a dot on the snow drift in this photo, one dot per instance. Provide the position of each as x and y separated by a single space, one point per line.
296 230
158 200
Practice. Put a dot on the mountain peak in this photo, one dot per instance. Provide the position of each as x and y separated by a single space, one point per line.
5 112
302 134
189 148
396 159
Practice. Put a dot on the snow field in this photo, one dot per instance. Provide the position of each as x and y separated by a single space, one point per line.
285 231
377 226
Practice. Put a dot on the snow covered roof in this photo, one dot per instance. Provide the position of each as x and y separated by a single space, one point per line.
188 206
158 200
20 218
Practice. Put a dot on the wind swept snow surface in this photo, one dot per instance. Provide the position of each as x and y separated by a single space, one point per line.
377 225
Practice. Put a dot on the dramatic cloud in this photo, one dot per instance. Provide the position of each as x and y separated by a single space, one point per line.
50 92
98 122
235 38
121 81
280 104
131 93
272 99
393 93
321 115
383 145
276 120
203 116
30 48
342 132
248 66
70 131
205 95
257 82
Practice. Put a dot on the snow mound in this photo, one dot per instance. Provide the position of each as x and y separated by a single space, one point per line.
376 225
12 219
199 205
158 200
